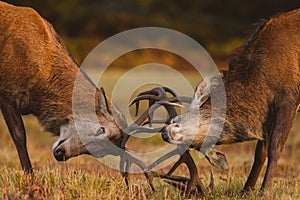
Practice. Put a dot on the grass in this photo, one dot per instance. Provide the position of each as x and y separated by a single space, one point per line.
86 178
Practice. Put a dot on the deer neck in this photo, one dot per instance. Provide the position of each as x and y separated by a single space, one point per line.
52 100
245 117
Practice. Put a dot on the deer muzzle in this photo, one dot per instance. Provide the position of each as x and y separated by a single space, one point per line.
173 134
58 152
67 148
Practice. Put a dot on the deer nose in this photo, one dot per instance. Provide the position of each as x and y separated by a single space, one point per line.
164 135
59 155
174 129
174 132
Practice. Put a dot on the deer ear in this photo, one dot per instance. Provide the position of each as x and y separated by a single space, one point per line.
201 93
217 159
104 108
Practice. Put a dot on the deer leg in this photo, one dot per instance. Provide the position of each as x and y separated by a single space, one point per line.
283 124
259 159
16 128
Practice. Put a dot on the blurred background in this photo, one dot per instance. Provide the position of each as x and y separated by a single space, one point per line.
219 26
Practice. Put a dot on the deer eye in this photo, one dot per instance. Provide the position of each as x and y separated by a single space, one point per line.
100 131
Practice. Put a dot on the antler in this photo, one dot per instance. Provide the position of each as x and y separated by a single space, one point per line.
157 97
183 183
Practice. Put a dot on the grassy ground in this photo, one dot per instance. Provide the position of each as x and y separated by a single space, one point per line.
86 178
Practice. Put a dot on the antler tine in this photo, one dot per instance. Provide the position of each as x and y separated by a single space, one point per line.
124 170
140 129
157 97
147 114
211 182
184 184
154 122
159 91
138 122
181 99
161 94
153 95
169 102
127 161
148 97
194 179
169 90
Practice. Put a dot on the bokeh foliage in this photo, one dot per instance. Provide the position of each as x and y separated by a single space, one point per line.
218 25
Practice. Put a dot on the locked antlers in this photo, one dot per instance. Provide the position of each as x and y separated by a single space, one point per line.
158 97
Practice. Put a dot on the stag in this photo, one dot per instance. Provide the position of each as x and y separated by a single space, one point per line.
262 89
38 76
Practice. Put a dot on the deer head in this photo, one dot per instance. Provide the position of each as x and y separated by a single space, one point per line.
101 137
191 127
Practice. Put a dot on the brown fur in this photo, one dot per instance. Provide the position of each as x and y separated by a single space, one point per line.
263 95
37 77
264 75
